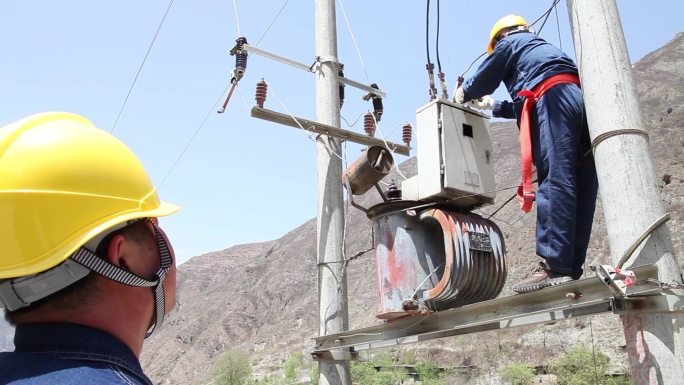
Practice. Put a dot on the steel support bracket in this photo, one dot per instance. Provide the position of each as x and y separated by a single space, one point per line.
659 303
335 355
312 68
324 129
579 298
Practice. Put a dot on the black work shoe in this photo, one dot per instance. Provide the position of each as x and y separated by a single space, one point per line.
539 278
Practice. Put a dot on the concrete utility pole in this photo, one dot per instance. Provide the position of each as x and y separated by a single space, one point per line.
627 181
332 280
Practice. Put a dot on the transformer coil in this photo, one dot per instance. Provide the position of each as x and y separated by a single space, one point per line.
436 260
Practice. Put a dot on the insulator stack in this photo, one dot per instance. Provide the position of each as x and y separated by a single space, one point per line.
393 193
378 109
340 73
261 90
406 133
369 124
240 57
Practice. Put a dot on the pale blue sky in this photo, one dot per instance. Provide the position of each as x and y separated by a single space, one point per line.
244 180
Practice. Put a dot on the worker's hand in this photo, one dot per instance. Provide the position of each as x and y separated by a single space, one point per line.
484 103
459 95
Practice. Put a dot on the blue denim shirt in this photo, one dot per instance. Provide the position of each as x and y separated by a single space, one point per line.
521 61
55 354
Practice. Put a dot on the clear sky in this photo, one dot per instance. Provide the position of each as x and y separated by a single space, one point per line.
244 180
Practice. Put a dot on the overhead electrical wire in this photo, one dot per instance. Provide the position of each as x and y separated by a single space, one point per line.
310 135
272 22
439 64
130 89
427 31
560 40
545 14
192 138
363 65
237 19
355 121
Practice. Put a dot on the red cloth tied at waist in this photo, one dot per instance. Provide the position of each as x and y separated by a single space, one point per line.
526 194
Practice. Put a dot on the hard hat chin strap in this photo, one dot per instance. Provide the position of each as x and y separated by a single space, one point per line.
165 262
93 262
21 292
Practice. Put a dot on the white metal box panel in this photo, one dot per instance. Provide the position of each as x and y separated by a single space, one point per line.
409 189
454 152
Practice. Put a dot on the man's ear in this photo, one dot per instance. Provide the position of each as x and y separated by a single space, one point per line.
116 254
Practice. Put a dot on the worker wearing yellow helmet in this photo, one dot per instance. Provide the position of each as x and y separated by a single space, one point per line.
86 273
547 102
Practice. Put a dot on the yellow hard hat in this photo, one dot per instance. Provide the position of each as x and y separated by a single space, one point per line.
62 182
500 25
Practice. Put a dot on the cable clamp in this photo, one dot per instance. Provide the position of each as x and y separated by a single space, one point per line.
327 59
617 280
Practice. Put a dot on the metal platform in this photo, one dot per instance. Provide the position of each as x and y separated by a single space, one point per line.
574 299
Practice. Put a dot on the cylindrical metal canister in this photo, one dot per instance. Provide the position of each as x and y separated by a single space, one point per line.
373 165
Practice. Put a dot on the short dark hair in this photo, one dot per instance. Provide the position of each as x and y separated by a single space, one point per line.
74 295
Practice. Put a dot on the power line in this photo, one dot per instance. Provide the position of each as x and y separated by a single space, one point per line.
168 8
310 135
560 41
353 39
544 15
192 138
272 22
237 19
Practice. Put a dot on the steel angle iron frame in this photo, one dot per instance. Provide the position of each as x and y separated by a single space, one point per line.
313 126
588 296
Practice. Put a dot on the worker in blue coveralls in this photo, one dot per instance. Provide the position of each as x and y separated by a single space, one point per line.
548 105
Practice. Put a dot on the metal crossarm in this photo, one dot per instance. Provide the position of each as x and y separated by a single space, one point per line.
574 299
310 68
324 129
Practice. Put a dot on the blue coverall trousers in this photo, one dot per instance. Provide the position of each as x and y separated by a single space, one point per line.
567 179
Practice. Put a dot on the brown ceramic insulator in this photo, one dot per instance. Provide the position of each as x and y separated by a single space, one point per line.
261 90
369 124
406 133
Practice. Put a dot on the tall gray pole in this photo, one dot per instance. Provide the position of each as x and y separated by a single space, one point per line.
627 180
332 281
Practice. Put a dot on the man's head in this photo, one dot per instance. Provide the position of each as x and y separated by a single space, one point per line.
503 27
74 199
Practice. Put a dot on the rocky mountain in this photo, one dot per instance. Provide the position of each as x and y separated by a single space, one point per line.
262 298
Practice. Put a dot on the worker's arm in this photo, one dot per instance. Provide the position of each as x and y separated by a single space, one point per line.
490 73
